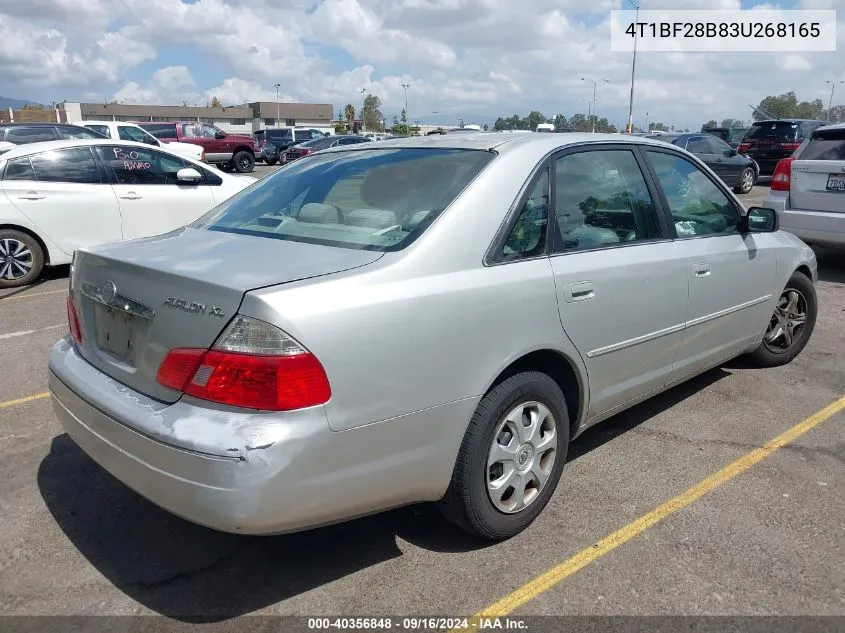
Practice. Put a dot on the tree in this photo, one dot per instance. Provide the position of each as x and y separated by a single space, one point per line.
837 114
215 103
560 123
340 128
404 116
711 123
534 119
578 123
484 127
658 127
787 106
372 112
461 124
340 116
349 114
33 107
731 123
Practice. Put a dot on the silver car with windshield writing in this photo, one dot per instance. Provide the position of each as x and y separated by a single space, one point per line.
429 319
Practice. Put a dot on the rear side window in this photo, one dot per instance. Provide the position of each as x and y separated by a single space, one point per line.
19 169
72 133
828 145
698 145
773 131
102 129
74 165
24 135
379 200
161 130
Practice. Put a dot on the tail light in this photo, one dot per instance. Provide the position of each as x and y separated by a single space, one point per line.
253 365
743 147
790 146
202 157
73 321
304 152
783 174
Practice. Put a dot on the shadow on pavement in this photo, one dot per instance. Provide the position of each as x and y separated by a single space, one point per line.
195 574
49 274
831 264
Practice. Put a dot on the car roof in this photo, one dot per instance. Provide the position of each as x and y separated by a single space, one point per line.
767 121
832 126
48 146
37 124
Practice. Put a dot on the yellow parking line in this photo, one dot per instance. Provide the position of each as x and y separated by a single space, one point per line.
34 294
12 403
562 571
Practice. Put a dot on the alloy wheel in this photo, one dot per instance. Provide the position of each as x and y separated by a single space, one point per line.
747 180
787 322
521 457
15 259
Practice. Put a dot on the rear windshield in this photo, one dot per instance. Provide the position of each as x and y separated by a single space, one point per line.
775 131
827 145
278 133
378 199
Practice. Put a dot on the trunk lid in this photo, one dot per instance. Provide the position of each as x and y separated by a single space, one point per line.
137 300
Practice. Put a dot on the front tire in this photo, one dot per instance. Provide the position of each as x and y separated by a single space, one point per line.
228 167
244 162
746 181
21 259
511 458
791 324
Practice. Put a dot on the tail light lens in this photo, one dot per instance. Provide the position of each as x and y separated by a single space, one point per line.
790 146
73 321
253 365
743 147
304 152
783 174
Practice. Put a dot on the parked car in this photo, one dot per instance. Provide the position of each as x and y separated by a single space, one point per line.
386 357
25 133
57 196
309 147
808 188
278 140
767 142
731 135
120 130
736 170
231 152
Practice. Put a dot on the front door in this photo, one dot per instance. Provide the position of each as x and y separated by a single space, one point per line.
152 200
66 195
730 274
621 282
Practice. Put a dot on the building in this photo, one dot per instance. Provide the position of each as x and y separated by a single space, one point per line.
244 118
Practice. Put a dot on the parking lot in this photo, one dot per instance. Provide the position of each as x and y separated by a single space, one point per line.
768 539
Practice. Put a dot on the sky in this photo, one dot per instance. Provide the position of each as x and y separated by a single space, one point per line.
462 59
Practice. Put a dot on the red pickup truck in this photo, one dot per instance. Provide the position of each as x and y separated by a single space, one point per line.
230 152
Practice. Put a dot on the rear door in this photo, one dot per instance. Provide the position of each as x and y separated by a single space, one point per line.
699 146
818 173
152 200
64 193
729 165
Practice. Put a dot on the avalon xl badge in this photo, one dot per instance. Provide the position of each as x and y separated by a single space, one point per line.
193 306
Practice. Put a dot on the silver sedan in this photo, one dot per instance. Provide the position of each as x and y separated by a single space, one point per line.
431 319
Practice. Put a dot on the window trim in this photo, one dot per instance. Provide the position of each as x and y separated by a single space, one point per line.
6 163
664 202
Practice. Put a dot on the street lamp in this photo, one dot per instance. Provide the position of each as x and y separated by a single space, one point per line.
830 102
633 70
646 123
363 104
278 114
405 88
589 103
595 83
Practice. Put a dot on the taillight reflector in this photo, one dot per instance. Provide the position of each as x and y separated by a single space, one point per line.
73 321
783 174
743 147
790 146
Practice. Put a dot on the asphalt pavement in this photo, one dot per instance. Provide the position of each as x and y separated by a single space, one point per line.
766 540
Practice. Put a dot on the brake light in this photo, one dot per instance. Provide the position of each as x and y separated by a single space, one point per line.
304 152
253 365
790 146
783 174
743 147
73 321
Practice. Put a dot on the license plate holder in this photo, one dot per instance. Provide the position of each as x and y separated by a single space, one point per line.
836 182
116 333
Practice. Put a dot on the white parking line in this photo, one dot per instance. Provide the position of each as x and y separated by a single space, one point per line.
27 332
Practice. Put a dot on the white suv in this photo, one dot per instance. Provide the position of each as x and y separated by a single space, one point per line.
808 188
123 131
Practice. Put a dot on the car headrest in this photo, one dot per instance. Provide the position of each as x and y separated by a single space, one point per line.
371 218
318 213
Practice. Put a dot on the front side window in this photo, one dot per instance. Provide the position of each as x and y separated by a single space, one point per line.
100 129
141 166
601 198
528 236
19 169
698 206
199 130
129 133
374 200
74 165
718 146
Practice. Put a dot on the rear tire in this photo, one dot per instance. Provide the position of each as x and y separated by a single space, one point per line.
228 167
746 181
271 161
506 472
244 162
790 326
21 259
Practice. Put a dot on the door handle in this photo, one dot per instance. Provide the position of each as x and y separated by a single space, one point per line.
701 270
131 196
580 291
31 195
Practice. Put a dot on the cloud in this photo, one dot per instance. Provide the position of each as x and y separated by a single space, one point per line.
470 59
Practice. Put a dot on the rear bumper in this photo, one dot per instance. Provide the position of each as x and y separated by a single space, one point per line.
814 227
253 473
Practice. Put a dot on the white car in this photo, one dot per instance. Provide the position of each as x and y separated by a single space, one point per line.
58 196
119 130
808 188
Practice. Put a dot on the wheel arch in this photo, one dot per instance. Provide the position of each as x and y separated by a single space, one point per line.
242 148
41 242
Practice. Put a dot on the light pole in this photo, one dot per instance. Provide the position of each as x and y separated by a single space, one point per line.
830 102
405 88
589 103
593 116
633 70
646 122
278 85
363 104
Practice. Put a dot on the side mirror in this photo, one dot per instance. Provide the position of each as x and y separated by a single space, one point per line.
219 135
760 220
188 175
731 152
